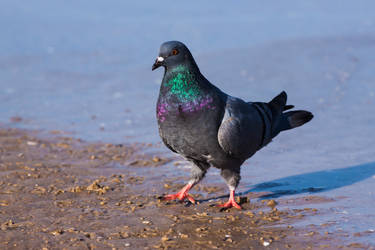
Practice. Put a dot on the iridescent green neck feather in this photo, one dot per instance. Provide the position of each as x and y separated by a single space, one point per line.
182 83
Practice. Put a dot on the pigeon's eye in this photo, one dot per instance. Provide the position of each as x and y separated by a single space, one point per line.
174 52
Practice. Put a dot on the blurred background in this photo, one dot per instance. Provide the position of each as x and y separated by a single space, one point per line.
84 67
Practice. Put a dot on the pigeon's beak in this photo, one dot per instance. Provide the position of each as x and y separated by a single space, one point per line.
158 62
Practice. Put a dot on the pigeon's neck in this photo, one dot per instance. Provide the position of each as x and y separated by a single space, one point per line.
183 81
183 91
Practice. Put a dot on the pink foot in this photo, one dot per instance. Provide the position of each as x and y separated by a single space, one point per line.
181 195
231 202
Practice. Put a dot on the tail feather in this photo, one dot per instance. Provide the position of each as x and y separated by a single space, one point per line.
277 104
287 107
293 119
277 120
286 120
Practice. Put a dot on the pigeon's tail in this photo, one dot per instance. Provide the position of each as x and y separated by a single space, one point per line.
275 118
293 119
278 104
286 120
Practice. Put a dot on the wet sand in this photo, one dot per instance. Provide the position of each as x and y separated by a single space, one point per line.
58 192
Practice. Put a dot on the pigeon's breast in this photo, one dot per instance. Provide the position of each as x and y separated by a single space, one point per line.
188 113
189 128
178 110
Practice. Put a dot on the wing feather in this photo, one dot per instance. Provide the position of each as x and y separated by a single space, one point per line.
241 131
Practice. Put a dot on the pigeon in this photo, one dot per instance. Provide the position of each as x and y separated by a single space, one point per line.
211 128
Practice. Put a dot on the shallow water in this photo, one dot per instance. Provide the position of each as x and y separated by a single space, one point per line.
85 67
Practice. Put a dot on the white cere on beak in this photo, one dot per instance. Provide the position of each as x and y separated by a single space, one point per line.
160 59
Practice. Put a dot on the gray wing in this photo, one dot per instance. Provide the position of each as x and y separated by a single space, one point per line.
243 129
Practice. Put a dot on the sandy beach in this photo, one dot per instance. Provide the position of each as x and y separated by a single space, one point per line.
58 192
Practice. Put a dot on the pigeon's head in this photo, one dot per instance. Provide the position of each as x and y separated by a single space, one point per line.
173 53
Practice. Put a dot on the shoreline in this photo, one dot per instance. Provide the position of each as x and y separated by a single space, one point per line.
57 192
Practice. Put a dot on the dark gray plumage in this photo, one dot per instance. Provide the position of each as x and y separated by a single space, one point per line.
210 128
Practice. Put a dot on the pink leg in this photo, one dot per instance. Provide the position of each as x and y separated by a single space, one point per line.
182 194
231 202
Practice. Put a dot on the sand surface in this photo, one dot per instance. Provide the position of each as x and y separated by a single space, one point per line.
58 192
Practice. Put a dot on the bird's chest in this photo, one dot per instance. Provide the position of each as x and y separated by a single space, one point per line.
188 127
187 113
172 110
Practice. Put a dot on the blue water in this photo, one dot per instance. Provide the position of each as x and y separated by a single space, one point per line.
85 67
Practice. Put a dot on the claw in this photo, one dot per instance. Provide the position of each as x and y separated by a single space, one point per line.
231 202
181 195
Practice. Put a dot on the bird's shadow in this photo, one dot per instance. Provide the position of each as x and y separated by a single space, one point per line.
312 182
